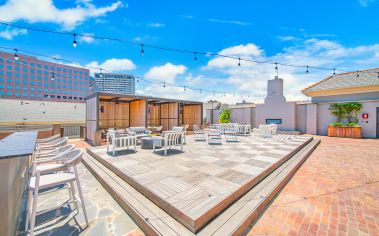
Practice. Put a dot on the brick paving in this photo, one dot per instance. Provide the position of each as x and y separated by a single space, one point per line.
335 192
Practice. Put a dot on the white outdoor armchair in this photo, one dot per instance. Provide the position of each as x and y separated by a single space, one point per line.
168 140
49 139
46 147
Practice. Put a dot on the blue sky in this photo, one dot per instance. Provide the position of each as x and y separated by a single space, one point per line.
341 34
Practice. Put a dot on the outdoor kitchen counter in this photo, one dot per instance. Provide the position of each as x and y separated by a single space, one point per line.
15 152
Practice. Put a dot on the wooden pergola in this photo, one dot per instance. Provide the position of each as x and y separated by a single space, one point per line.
108 110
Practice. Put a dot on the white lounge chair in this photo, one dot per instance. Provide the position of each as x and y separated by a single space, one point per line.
54 152
265 131
168 140
39 182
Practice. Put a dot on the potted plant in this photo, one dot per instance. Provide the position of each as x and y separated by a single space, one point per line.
346 124
224 116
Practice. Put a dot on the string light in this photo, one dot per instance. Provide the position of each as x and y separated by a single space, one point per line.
101 73
357 74
195 58
164 84
378 74
307 69
74 42
52 76
44 30
137 79
142 50
239 61
200 91
184 88
15 55
334 71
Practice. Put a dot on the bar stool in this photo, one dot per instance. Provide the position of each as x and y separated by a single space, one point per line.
39 182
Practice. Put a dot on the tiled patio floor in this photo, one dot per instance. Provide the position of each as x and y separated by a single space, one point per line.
106 217
335 192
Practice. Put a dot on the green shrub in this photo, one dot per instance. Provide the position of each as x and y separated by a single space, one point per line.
224 116
346 114
336 124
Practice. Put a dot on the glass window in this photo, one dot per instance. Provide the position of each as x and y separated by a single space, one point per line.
39 65
25 70
32 64
17 87
1 66
39 72
25 82
9 94
25 94
17 68
45 84
32 83
32 95
1 86
17 94
25 88
39 95
46 67
9 80
17 81
32 77
46 79
1 79
9 74
39 90
32 71
17 75
39 83
32 89
46 90
9 67
39 78
1 93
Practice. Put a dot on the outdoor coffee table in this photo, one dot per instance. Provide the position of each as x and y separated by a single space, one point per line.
147 142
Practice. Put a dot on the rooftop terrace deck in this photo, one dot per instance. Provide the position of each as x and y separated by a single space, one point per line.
196 185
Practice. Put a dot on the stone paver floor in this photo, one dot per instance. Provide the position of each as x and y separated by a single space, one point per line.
106 217
335 192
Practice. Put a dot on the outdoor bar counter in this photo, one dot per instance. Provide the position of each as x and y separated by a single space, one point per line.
15 152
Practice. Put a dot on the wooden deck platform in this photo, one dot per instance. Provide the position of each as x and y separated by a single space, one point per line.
194 187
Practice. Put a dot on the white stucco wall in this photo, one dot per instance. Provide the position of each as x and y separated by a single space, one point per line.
301 118
15 111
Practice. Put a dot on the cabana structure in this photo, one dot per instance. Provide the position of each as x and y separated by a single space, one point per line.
108 110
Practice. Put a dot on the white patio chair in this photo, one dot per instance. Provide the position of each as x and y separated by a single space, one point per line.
168 140
55 151
231 133
265 131
198 134
214 136
49 139
274 128
46 147
39 182
116 141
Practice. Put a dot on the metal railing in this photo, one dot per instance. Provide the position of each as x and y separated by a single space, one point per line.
71 130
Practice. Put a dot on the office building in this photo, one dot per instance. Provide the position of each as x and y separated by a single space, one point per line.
31 78
115 83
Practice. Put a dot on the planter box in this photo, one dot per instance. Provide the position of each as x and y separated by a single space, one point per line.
345 132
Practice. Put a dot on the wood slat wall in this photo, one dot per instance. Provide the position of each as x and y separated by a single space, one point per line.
113 115
191 115
154 115
138 113
169 115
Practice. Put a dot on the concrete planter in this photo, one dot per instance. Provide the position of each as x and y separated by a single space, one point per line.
344 132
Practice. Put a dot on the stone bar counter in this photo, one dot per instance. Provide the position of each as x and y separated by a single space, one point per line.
15 152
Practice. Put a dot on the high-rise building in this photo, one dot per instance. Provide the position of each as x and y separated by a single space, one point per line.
115 83
27 77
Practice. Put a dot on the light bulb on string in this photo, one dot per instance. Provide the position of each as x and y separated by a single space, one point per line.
334 71
137 79
200 91
357 74
101 73
195 57
239 61
142 50
378 74
276 69
15 55
52 76
74 42
184 88
307 70
164 84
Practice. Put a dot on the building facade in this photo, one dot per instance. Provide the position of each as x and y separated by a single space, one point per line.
31 78
115 83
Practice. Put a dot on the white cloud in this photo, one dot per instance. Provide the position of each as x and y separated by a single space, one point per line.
234 22
251 78
166 73
10 33
156 25
114 65
85 39
288 38
34 11
365 3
